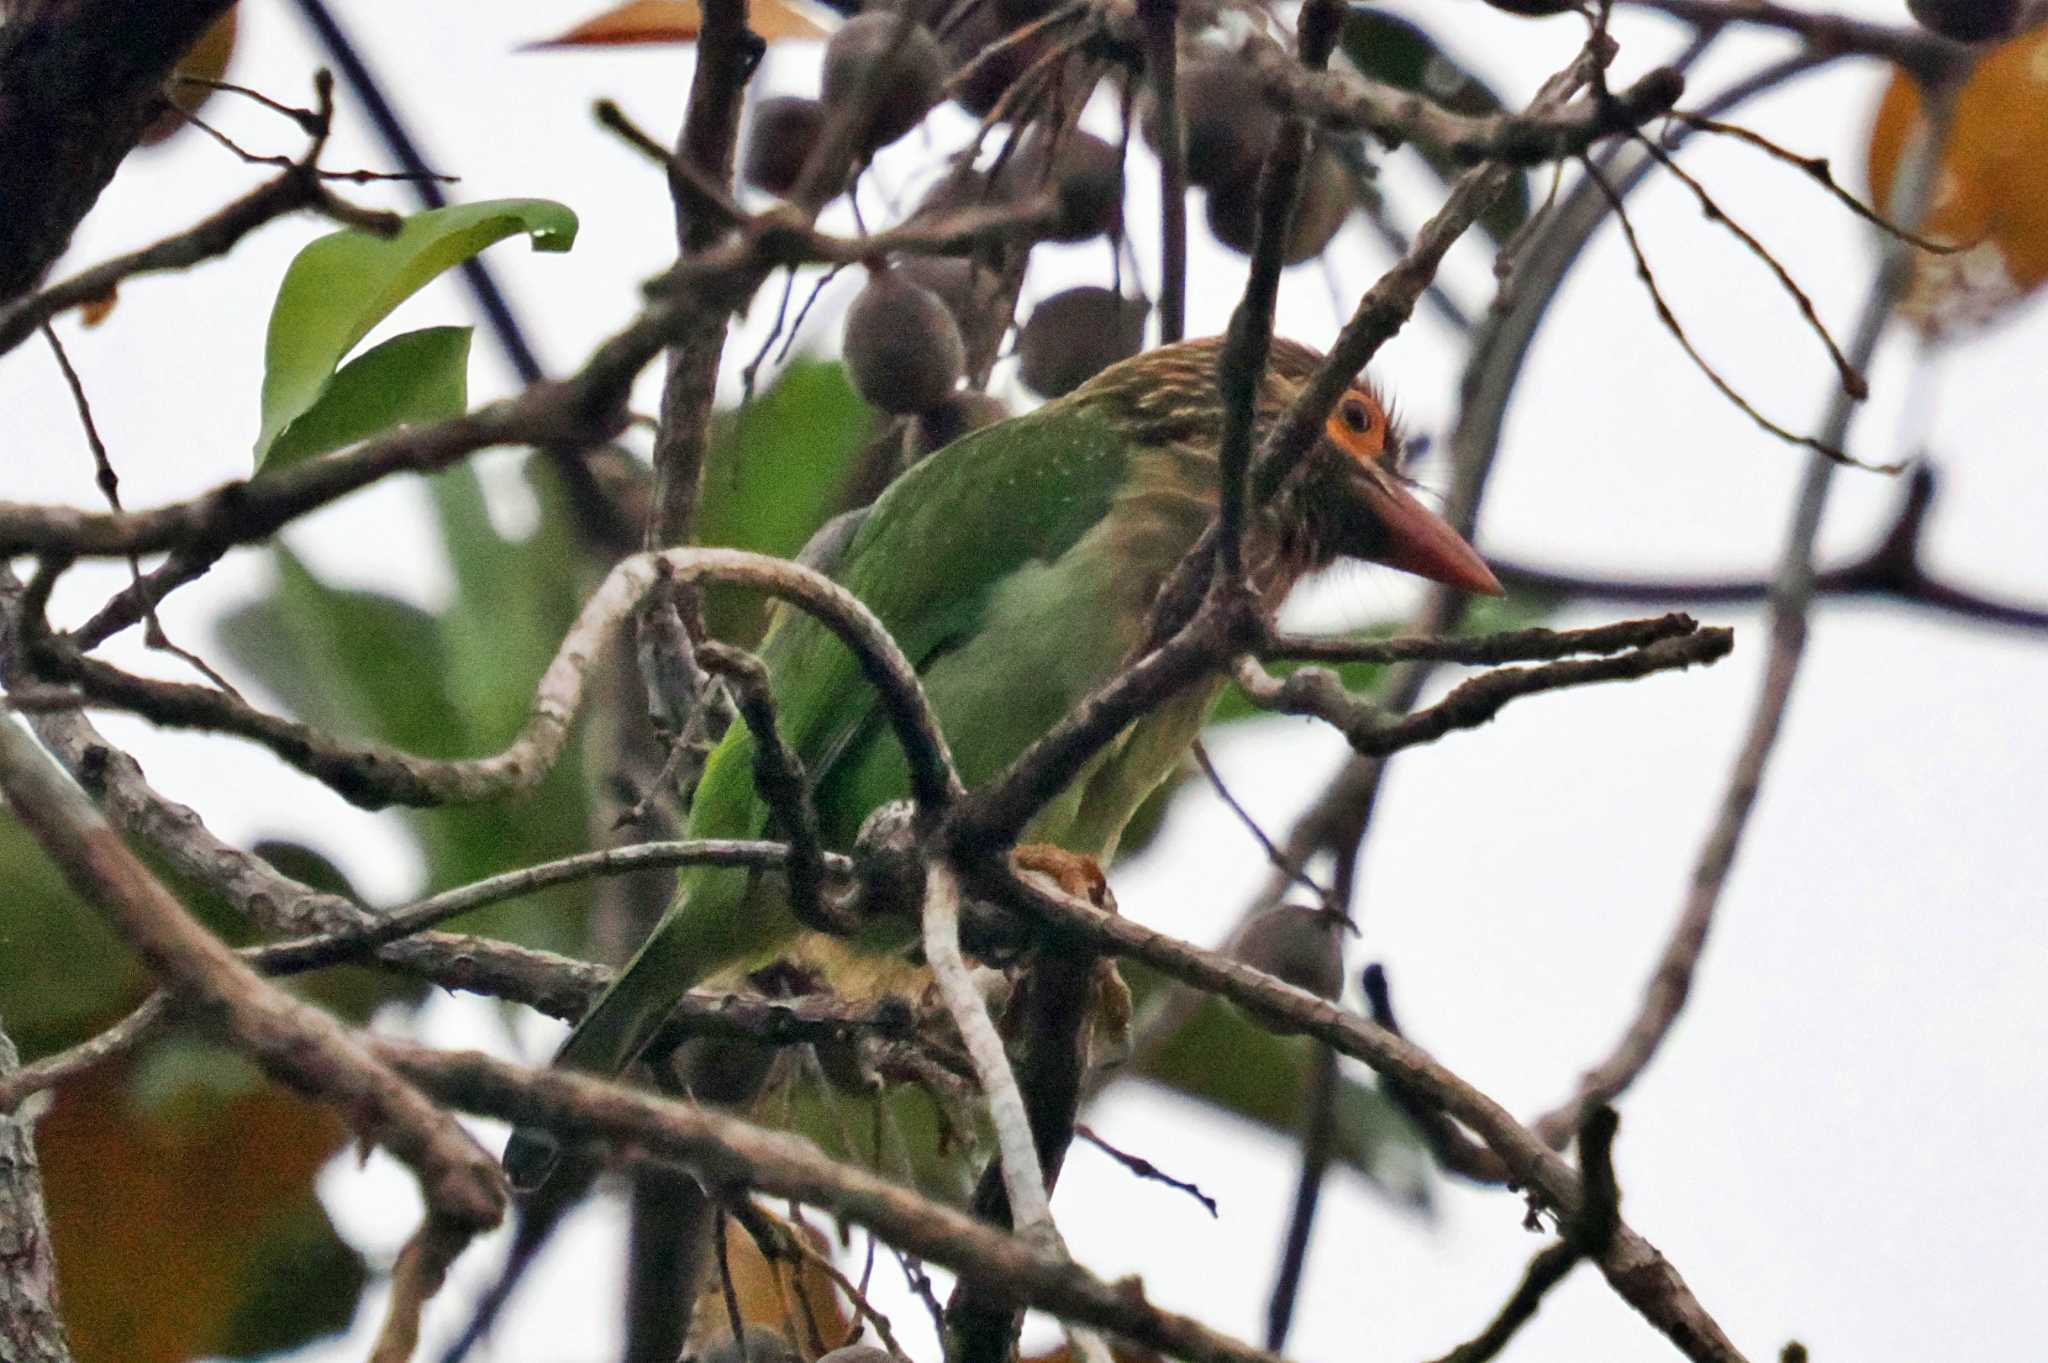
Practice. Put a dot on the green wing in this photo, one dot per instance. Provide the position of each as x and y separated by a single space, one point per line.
931 556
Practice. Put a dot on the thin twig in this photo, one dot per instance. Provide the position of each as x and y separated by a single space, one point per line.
1372 733
1853 382
1818 169
1147 1170
110 488
1791 597
1700 362
296 187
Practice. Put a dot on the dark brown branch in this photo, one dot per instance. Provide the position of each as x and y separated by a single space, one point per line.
727 52
992 816
780 781
1929 57
1386 306
1455 1151
1241 365
1145 1169
1512 646
1586 1234
139 598
1318 1146
1347 103
1892 568
1371 733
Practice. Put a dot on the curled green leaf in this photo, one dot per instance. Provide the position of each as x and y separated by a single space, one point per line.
340 286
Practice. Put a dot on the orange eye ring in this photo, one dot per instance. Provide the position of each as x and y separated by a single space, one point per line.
1358 427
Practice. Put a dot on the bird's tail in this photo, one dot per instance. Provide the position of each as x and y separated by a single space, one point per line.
708 928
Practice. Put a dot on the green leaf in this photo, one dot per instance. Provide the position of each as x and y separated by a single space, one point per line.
353 663
1220 1058
363 664
777 470
1399 53
302 1282
514 600
63 973
418 377
345 283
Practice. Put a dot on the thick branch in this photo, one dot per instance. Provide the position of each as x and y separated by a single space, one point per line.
293 1041
728 1153
31 1331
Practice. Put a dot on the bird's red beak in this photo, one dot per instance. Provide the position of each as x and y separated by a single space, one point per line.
1417 540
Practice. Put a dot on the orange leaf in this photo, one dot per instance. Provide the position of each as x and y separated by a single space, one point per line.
794 1298
1992 197
673 21
207 60
201 1193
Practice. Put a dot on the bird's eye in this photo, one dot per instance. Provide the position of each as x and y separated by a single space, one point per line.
1356 416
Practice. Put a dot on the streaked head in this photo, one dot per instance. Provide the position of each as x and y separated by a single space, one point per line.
1347 499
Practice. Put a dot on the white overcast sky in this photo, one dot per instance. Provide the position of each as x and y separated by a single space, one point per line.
1839 1142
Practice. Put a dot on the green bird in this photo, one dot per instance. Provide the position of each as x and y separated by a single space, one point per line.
1017 568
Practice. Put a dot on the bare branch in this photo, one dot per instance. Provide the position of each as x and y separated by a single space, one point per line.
1318 692
1512 646
1159 21
728 1153
373 775
1926 55
1347 103
293 1041
1791 598
298 186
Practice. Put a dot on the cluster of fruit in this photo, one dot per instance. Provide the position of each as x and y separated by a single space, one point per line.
906 333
